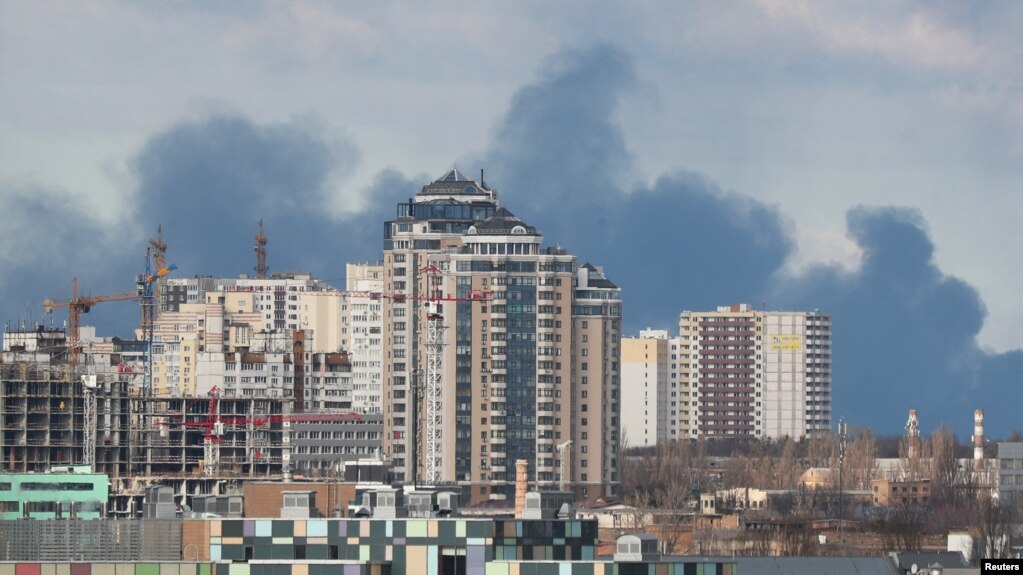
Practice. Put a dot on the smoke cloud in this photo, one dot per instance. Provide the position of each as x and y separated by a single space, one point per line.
904 331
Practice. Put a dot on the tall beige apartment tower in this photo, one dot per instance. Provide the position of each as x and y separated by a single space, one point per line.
525 364
758 374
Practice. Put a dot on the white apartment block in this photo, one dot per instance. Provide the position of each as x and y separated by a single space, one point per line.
286 302
363 330
758 374
221 343
645 389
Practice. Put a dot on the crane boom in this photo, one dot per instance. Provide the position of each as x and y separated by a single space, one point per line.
77 306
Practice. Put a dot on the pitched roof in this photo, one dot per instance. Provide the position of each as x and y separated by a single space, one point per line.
453 175
502 223
598 279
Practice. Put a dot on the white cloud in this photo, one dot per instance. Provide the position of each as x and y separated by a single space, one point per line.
915 39
829 246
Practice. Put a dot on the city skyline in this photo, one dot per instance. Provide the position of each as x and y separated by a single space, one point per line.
593 127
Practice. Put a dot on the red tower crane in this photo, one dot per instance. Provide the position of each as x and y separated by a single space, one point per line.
217 426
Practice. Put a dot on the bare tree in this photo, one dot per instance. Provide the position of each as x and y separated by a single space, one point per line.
901 528
944 470
786 475
822 451
994 531
861 461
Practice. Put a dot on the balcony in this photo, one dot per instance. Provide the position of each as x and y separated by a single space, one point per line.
735 380
725 333
731 419
722 389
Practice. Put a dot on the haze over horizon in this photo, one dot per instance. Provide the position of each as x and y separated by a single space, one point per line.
855 162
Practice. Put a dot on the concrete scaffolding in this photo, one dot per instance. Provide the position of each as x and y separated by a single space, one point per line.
42 415
170 434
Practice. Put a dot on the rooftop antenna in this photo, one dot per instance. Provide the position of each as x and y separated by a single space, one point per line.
483 183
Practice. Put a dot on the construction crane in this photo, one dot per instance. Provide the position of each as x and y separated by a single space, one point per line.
89 420
433 300
562 448
159 248
146 285
211 441
217 426
260 248
159 253
435 327
77 306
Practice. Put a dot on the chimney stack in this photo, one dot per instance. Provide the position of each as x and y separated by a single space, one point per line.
521 485
913 435
978 440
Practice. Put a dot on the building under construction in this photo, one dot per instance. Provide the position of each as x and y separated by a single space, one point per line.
173 433
53 414
44 420
46 415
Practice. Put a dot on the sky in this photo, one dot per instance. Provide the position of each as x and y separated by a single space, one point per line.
864 159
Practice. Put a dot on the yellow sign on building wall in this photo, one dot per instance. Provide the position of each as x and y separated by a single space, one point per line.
786 342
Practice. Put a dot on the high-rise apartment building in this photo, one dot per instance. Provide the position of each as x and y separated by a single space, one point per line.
658 402
285 302
526 365
757 374
646 385
363 332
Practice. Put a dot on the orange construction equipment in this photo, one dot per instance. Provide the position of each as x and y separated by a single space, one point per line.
76 306
79 305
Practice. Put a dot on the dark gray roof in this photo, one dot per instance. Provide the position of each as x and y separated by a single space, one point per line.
597 279
502 223
453 176
453 182
815 566
926 558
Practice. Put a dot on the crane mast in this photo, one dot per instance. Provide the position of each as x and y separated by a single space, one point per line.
89 420
260 247
434 391
77 306
211 442
563 463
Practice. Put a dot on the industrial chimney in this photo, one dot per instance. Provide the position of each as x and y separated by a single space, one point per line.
521 485
913 435
978 440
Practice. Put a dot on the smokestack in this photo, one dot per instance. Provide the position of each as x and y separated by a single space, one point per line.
521 485
978 440
913 435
